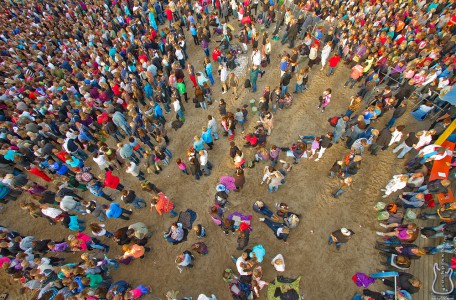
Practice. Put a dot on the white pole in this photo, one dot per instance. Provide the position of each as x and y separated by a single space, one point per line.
395 287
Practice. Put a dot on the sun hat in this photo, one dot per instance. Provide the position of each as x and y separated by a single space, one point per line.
345 232
220 188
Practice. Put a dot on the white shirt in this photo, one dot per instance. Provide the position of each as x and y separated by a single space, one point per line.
133 169
396 137
179 54
67 203
267 48
212 124
256 58
203 158
100 160
176 105
281 267
431 148
51 212
240 261
313 53
223 74
424 140
101 233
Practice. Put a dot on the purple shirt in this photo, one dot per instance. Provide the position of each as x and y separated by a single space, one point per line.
60 247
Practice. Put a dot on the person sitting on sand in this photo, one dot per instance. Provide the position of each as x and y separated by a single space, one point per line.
175 234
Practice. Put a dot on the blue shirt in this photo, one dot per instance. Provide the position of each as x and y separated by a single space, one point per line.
112 52
148 90
158 112
208 69
114 211
198 145
60 169
207 136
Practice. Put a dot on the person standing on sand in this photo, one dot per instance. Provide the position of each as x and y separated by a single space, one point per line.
325 99
212 126
233 83
254 71
341 236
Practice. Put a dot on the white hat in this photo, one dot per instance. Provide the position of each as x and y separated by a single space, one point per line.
345 231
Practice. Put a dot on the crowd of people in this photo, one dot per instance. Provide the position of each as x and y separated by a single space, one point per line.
90 89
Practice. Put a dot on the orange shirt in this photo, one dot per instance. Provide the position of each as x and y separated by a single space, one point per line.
164 204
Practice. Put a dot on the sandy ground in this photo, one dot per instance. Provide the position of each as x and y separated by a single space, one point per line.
326 273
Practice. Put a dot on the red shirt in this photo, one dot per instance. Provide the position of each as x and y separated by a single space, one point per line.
142 58
169 14
252 140
116 90
62 155
103 118
216 54
111 181
333 61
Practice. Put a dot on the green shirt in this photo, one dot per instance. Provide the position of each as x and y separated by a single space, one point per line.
181 88
95 280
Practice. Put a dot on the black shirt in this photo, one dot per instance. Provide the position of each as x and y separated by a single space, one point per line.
411 139
286 78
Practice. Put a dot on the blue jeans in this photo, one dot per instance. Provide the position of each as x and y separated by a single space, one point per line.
273 188
215 134
352 81
273 225
173 213
348 113
284 89
338 193
182 63
267 212
211 78
167 152
181 114
206 51
438 229
445 247
203 104
391 122
126 128
134 158
140 151
299 87
254 86
167 107
78 209
116 134
81 154
331 71
330 241
138 203
337 136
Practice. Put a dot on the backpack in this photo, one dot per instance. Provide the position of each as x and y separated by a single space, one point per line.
176 124
333 121
247 84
